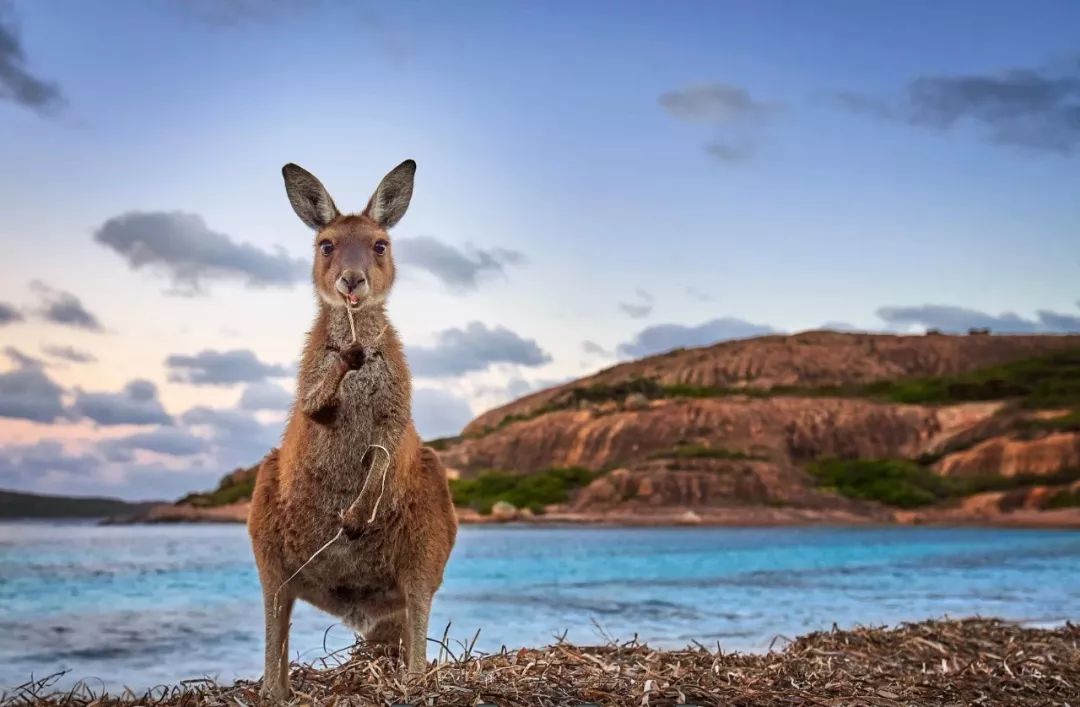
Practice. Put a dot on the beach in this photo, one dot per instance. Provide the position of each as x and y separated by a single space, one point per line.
138 606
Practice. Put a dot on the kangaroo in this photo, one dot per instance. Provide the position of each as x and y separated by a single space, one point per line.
351 469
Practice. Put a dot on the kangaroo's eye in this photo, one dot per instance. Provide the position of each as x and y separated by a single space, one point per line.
326 247
380 247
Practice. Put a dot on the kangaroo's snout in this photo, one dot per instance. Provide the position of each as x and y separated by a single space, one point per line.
351 280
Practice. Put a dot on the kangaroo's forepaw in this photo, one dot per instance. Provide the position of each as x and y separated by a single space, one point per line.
354 530
353 356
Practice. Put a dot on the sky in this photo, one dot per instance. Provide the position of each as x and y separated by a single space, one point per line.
597 182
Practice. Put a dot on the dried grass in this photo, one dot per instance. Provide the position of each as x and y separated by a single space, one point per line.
970 662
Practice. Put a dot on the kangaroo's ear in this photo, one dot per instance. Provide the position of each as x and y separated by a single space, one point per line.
391 199
309 198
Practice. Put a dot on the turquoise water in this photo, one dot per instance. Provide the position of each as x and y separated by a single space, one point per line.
143 605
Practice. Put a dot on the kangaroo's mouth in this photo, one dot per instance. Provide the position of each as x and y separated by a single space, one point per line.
354 297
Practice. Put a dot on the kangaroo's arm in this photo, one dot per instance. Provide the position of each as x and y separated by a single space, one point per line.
320 397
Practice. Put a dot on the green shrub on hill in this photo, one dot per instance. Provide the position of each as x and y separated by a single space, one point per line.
596 393
1063 499
441 443
906 484
894 482
228 492
511 419
701 451
690 390
1069 422
532 491
1041 382
601 392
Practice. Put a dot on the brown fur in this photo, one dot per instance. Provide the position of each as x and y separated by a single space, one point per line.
380 577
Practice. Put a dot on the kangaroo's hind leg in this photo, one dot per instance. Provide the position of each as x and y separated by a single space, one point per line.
278 610
416 626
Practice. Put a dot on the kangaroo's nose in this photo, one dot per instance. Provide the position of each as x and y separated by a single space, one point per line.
352 279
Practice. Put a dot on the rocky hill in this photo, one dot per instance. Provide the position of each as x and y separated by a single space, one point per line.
813 427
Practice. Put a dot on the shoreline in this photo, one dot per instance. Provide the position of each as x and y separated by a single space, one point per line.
968 661
753 517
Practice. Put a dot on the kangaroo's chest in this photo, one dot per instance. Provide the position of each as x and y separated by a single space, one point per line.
344 452
365 409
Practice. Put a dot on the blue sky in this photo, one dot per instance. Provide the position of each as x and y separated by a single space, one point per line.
596 181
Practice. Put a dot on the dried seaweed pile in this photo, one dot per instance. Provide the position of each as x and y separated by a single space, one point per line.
972 662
